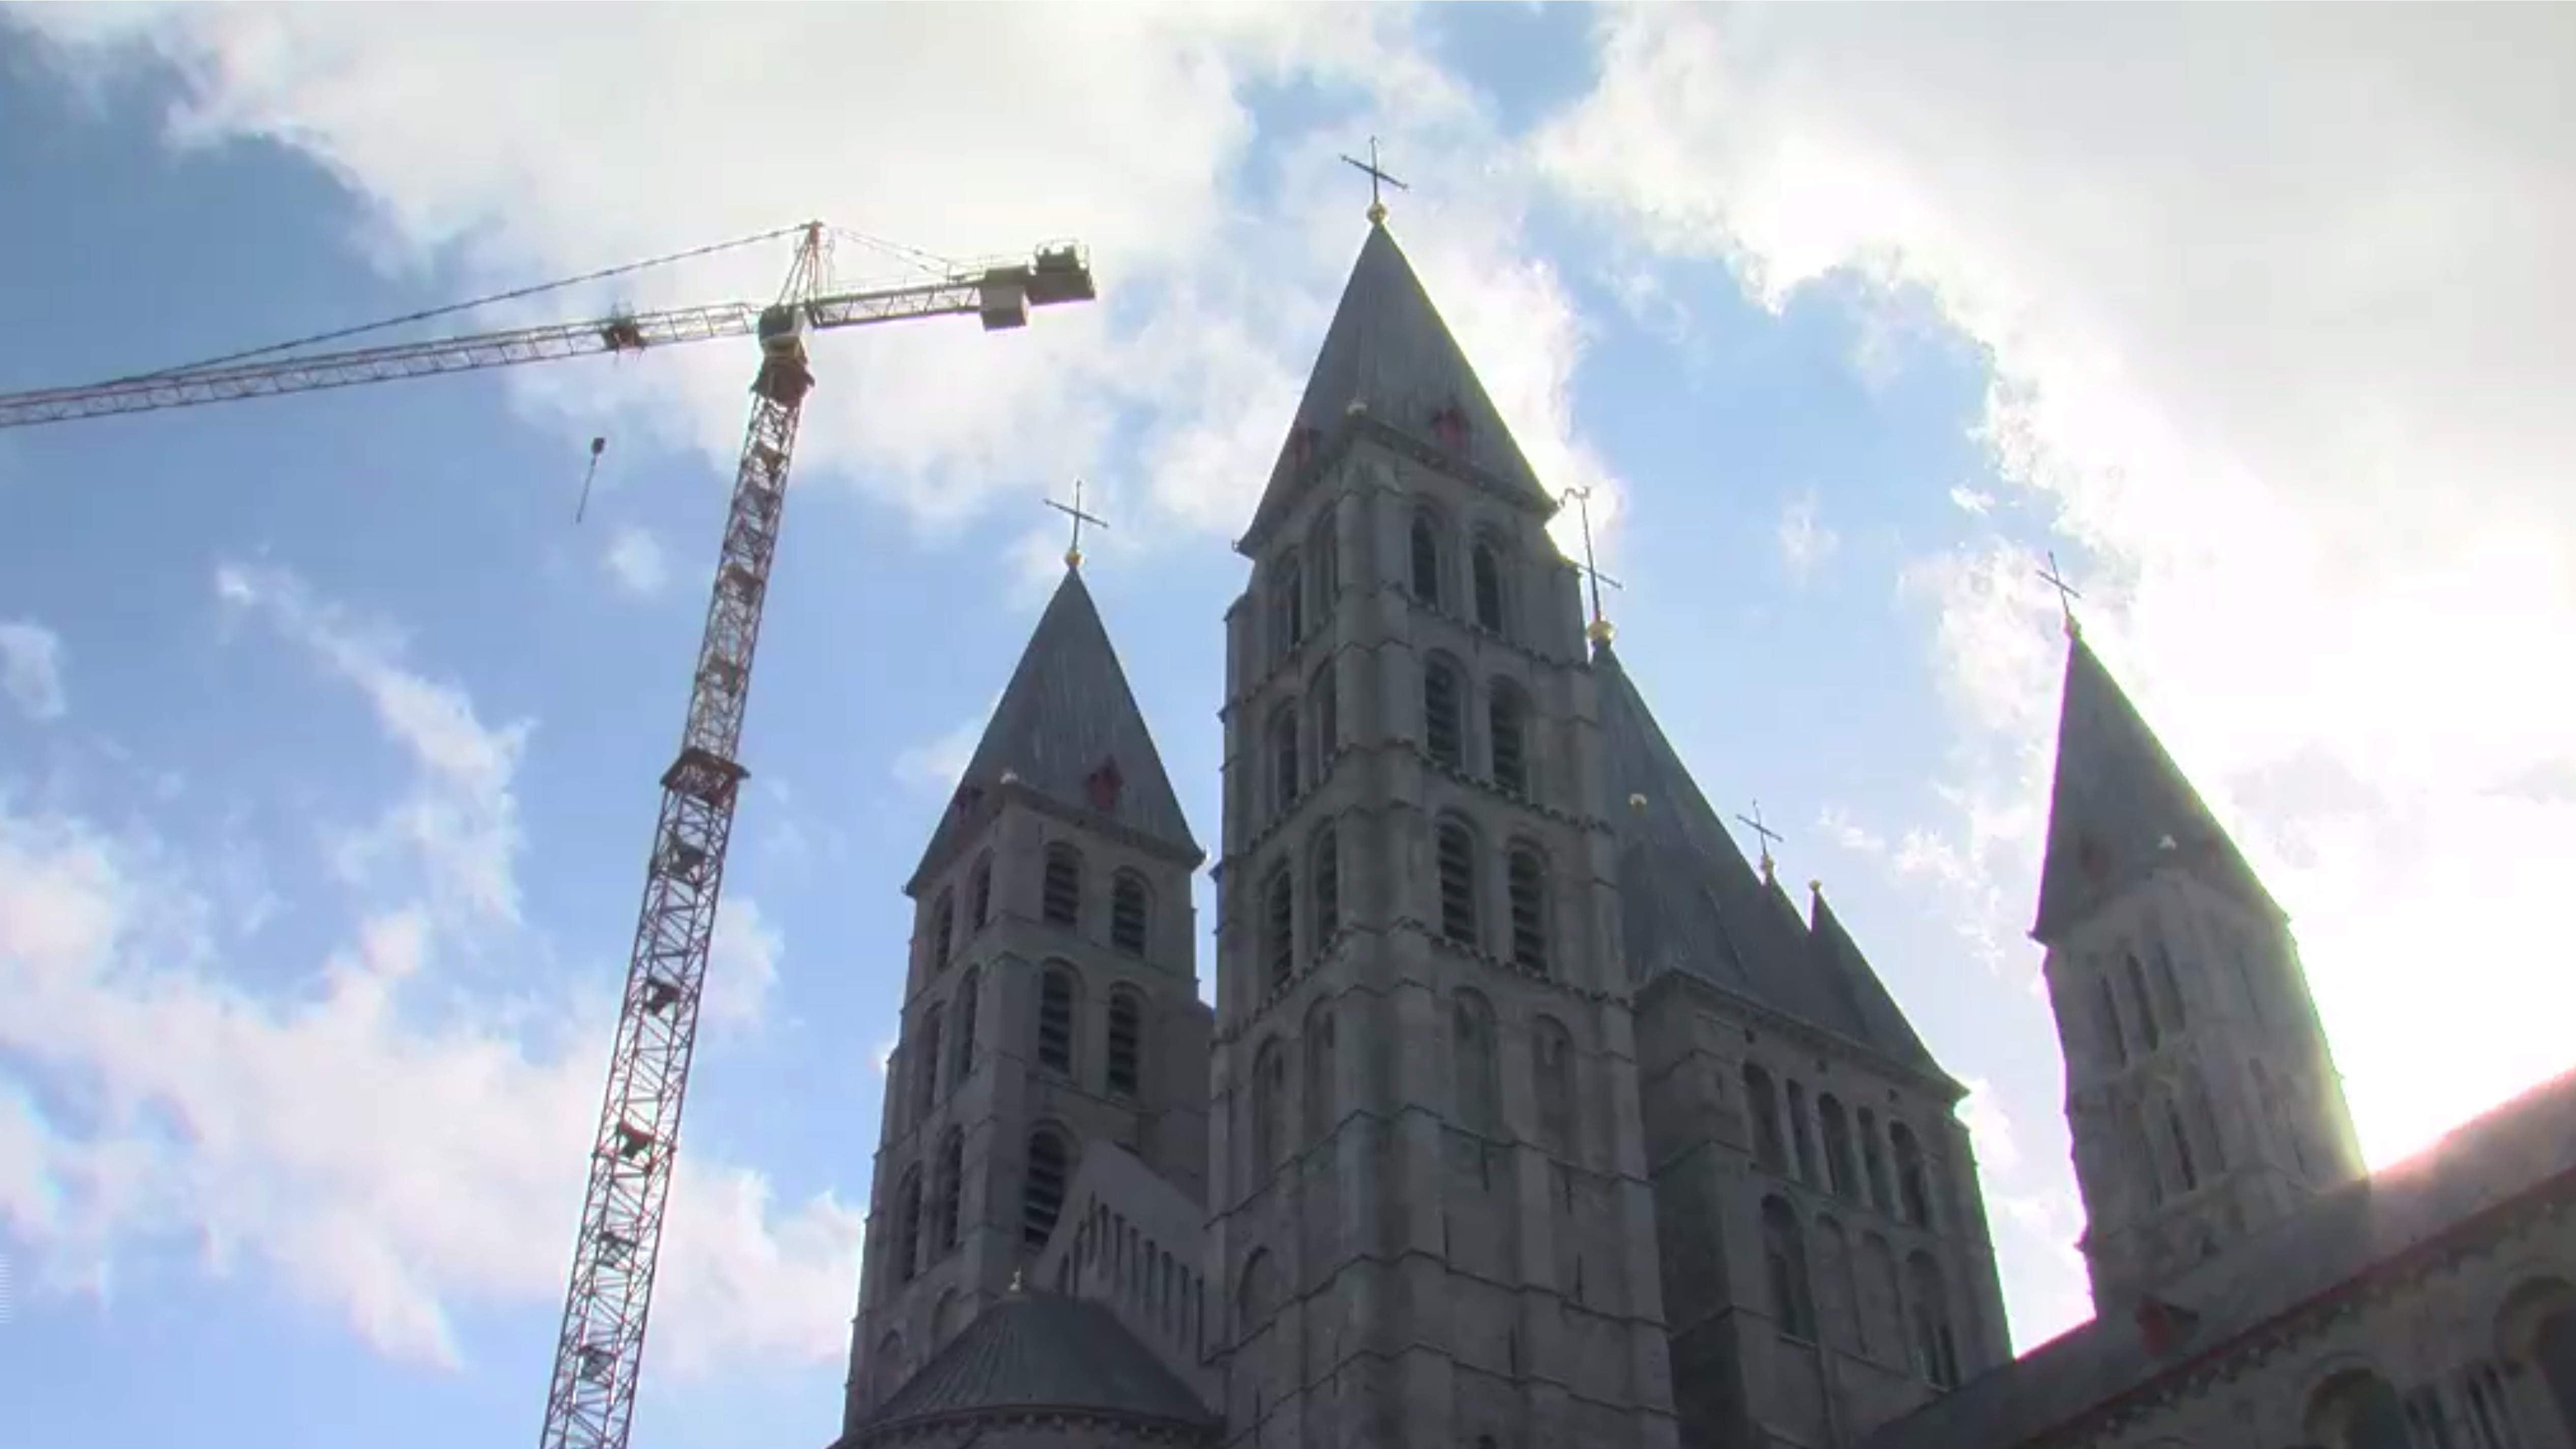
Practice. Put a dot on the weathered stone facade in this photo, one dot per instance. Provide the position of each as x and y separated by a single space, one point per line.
1532 1116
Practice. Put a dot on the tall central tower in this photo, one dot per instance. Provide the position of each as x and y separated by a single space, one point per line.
1427 1179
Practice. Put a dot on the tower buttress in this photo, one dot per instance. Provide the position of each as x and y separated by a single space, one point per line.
1051 1000
2201 1093
1429 1202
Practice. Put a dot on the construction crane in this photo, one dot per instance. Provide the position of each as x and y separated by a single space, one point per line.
591 1399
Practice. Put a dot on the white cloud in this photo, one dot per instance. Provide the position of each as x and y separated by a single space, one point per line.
2285 372
1124 127
378 1139
1805 542
31 669
742 964
934 766
634 560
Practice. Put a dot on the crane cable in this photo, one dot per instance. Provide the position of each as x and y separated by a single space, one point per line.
513 295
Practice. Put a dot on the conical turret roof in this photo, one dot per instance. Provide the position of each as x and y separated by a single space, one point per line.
1389 352
2119 808
1068 728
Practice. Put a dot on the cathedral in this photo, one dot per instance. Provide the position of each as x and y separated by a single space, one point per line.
1532 1115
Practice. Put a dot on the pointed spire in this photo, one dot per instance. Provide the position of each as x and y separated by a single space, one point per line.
1388 360
1691 902
1068 729
2119 807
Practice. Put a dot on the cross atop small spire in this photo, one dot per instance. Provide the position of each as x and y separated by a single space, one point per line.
1378 177
1599 630
2066 595
1073 550
1765 832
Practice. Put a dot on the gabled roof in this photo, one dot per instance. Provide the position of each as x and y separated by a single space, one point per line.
1692 904
2409 1217
1034 1352
2117 800
1066 714
1388 349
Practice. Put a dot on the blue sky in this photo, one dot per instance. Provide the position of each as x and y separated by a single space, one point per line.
328 738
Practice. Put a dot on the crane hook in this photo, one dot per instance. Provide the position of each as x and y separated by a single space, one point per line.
597 447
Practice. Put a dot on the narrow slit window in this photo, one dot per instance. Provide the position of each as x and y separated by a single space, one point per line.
1127 914
1279 928
1442 732
1529 911
1126 1035
1063 886
1457 860
1055 1020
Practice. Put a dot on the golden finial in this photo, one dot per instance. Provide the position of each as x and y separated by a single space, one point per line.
1073 550
1815 887
1637 803
1599 630
1378 177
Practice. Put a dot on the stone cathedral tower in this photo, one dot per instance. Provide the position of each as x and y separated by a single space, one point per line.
1428 1200
2200 1092
1052 1000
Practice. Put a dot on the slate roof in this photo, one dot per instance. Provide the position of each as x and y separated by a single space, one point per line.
2522 1149
1387 347
1041 1351
1691 902
1066 711
2117 797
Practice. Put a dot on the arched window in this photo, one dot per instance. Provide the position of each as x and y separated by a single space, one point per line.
1325 544
2148 1031
1126 1035
1487 565
2106 1022
1838 1147
928 1064
970 988
1063 892
1762 1104
1128 913
1784 1259
1838 1315
1528 878
2186 1164
2168 988
2204 1124
1324 878
1552 1053
979 893
1426 559
1042 1194
950 1179
1269 1083
2358 1410
1936 1346
907 1232
1472 1042
1319 1071
943 929
1324 697
1873 1161
1283 757
1507 721
1279 926
1055 1019
1913 1188
1444 732
1456 849
1801 1155
1288 602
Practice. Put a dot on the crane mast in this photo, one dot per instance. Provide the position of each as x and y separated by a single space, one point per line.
590 1399
598 1354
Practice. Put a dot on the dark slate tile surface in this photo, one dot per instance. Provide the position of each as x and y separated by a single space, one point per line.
1043 1351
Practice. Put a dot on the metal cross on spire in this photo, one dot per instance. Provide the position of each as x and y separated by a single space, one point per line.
1378 176
2066 595
1073 550
1767 834
1599 630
